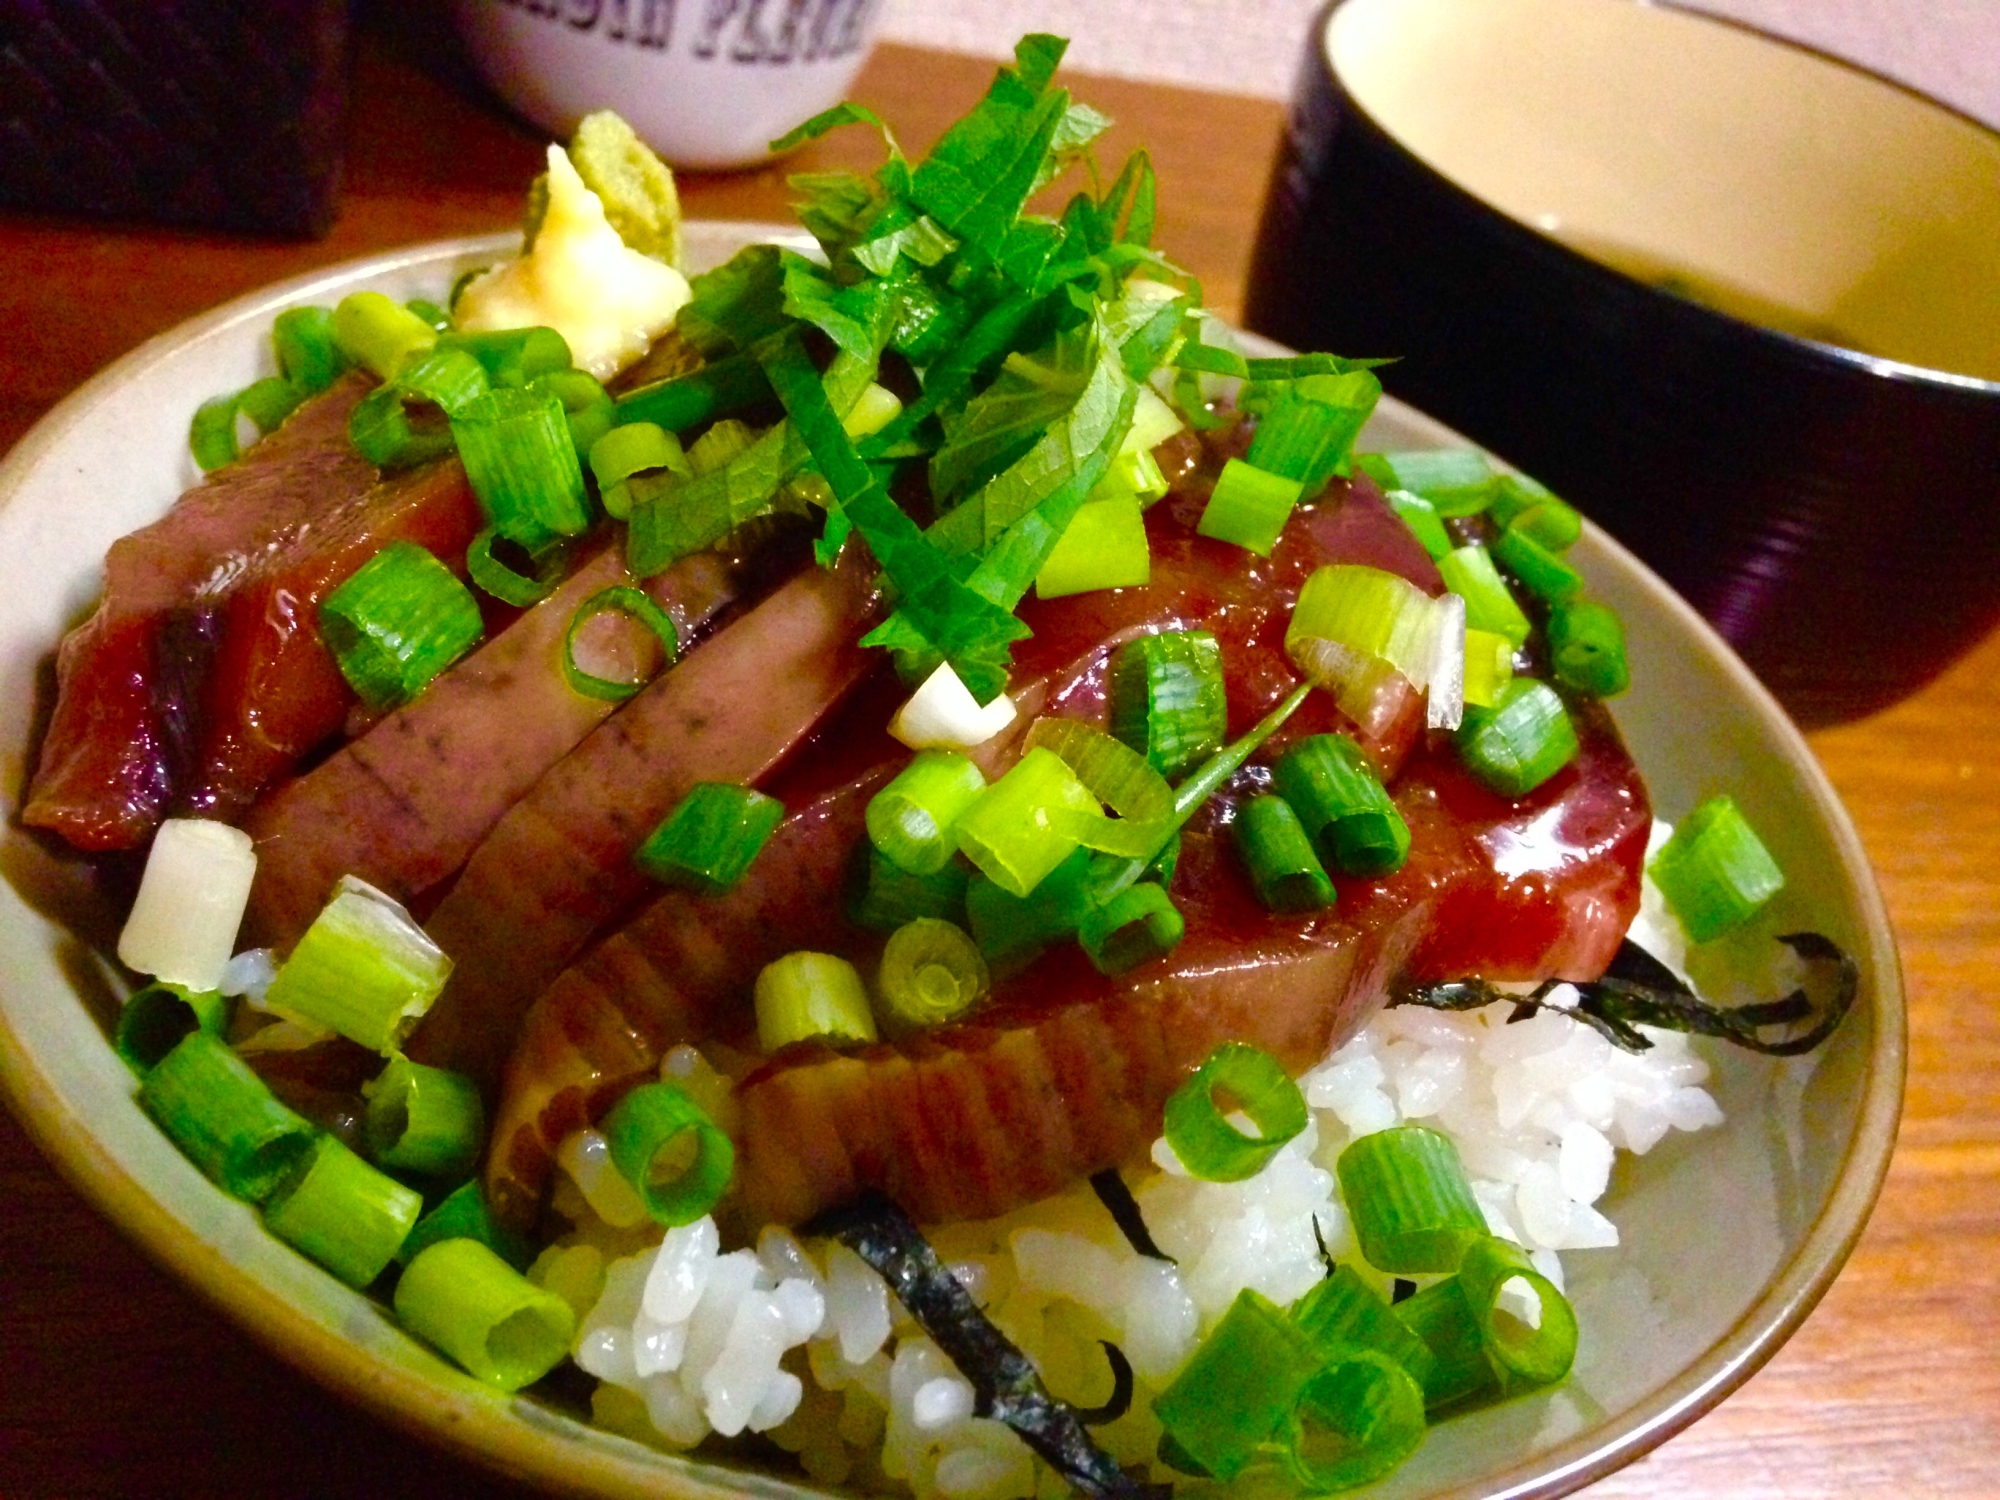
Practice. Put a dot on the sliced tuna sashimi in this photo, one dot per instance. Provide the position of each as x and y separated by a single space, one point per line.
274 691
1066 1072
405 804
121 741
559 866
605 1022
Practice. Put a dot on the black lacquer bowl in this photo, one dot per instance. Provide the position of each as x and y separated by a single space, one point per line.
1738 301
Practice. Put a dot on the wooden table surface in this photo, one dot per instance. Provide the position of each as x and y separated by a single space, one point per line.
114 1380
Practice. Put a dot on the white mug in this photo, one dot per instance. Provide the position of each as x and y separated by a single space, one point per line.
706 83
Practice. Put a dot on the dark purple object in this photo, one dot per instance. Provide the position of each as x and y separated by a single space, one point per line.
1832 514
200 112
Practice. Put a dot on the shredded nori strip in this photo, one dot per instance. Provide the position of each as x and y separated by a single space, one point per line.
1325 1255
1401 1290
1121 1390
1638 990
1007 1387
1124 1210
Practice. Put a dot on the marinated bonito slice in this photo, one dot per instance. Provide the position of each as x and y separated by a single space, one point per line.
123 738
558 866
1067 1072
406 803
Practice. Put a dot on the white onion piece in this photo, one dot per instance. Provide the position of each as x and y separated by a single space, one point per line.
190 904
248 975
943 712
586 1156
1445 679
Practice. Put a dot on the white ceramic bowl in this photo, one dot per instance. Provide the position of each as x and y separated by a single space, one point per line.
1731 1236
706 86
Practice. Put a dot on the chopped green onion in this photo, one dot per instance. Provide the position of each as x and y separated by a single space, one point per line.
1103 547
808 996
1552 523
401 619
1542 572
911 820
1283 867
1249 507
489 573
515 356
447 377
212 434
1458 481
430 312
1489 667
522 464
931 973
1012 929
374 332
1407 1194
636 448
943 712
1525 1355
715 390
224 1118
673 1154
1307 424
890 896
711 837
423 1119
496 1323
1587 648
587 408
1417 513
1362 633
1167 698
392 433
156 1018
1134 475
1161 870
1715 872
1521 740
1349 817
1355 1421
1344 1310
625 600
192 894
1459 1370
463 1215
1208 1145
875 408
1469 573
1240 1385
1114 773
344 1214
363 969
725 441
1007 831
302 338
1136 926
269 401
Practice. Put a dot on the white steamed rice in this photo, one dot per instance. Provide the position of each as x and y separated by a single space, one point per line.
804 1343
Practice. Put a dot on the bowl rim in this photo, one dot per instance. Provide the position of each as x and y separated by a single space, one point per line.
520 1437
1319 48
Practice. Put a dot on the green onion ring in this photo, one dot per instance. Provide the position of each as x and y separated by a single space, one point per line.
1207 1144
628 601
645 1123
502 582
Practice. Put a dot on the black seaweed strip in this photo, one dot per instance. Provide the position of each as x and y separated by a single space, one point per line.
1325 1255
1637 989
1121 1390
1124 1210
1401 1290
1004 1379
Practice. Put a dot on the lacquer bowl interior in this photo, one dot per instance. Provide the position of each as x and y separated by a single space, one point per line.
1731 1236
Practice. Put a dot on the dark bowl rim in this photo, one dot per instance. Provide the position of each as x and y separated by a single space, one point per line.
1854 361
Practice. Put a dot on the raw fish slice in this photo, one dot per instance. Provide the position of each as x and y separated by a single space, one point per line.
406 803
558 867
120 740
